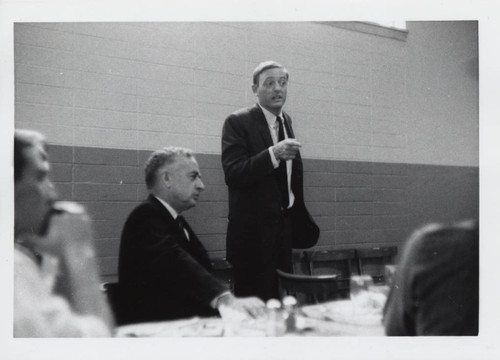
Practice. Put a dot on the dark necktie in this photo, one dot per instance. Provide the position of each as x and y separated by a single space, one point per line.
182 225
283 178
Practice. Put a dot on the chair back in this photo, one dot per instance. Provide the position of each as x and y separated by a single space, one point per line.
372 261
308 289
223 271
339 262
299 263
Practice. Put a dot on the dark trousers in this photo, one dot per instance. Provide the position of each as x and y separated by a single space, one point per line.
262 281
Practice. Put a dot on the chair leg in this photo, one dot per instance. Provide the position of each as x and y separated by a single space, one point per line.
309 263
360 267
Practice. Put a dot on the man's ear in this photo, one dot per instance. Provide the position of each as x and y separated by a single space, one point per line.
254 88
166 178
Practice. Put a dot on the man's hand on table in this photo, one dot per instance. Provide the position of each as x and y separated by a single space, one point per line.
249 307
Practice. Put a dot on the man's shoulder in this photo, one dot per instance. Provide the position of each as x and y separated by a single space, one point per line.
251 112
147 218
245 112
243 118
147 208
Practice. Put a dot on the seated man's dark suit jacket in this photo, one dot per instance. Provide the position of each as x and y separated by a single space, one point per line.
161 274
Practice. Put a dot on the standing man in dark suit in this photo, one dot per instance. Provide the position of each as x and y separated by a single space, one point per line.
164 270
263 172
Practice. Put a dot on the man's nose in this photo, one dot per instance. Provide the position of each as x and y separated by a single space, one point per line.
200 185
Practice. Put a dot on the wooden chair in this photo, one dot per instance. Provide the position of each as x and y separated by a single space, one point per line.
223 270
337 262
299 263
372 261
308 289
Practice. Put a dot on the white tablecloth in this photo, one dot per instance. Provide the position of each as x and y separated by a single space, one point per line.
336 318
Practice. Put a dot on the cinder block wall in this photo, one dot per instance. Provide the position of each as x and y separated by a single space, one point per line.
390 140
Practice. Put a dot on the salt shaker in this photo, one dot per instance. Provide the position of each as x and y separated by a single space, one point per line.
290 307
275 319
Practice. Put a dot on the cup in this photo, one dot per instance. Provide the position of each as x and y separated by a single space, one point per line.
360 285
366 295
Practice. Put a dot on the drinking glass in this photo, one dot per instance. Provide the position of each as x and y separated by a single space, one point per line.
360 286
367 295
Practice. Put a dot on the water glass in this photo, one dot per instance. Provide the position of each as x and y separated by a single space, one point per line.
360 285
365 294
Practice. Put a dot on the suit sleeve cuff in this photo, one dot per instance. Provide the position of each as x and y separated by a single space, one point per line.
214 303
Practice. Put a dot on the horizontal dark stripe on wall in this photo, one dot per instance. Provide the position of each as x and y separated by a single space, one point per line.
356 204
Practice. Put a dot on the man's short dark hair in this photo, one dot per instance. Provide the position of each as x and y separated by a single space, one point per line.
161 157
266 65
23 139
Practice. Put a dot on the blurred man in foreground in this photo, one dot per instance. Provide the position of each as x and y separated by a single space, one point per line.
164 270
436 289
56 285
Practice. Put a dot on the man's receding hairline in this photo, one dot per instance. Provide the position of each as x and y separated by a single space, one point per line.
264 66
171 166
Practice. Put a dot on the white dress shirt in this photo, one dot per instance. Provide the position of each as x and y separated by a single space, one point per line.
38 310
172 212
273 128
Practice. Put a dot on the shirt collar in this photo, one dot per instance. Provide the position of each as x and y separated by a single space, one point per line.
270 117
168 207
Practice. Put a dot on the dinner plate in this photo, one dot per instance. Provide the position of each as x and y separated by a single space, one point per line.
345 311
193 327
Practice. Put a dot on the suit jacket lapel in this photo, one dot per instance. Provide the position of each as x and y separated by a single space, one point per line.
193 247
158 204
261 124
291 135
168 217
289 123
296 163
192 236
263 127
